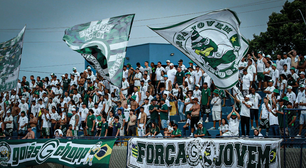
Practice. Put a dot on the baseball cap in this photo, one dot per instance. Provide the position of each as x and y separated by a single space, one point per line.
234 114
190 62
168 61
289 87
284 53
63 75
171 64
274 65
74 68
134 97
248 96
303 73
276 91
292 68
51 74
73 109
270 80
72 74
162 99
128 64
285 98
88 67
200 123
260 52
188 73
302 85
216 91
165 76
197 85
9 111
268 56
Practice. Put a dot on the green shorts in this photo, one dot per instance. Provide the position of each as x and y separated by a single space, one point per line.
90 133
260 76
45 132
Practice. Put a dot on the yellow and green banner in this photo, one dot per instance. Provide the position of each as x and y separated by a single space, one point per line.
72 153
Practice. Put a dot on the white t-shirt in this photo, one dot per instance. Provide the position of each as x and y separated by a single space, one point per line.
198 75
158 72
275 74
267 69
125 85
245 111
255 100
260 65
291 97
45 122
190 82
251 70
273 120
22 121
137 82
84 112
197 94
246 79
264 111
54 116
171 74
24 107
216 102
233 125
9 118
224 128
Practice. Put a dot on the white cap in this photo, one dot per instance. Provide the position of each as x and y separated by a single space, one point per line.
23 98
88 67
303 73
248 96
52 74
171 64
63 75
74 68
168 61
9 111
289 87
263 55
268 56
200 122
192 98
198 85
73 109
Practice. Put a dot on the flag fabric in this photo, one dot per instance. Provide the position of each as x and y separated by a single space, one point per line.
213 41
103 44
10 59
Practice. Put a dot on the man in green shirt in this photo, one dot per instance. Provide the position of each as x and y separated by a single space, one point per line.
201 131
163 114
90 124
179 76
205 99
104 127
176 132
153 109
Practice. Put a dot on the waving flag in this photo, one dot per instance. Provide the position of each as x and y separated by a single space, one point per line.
10 59
103 44
213 41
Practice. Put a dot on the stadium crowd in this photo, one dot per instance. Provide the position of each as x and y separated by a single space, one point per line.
65 106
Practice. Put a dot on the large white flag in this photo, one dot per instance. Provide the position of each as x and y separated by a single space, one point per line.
10 59
213 41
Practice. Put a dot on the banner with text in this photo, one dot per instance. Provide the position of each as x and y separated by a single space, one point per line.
203 152
10 60
72 153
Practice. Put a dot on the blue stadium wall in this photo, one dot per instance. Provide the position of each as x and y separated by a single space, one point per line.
152 52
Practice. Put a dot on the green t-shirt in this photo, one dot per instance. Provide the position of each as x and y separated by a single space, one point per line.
66 83
281 118
176 132
154 114
201 131
104 128
153 130
99 121
205 94
163 115
90 120
179 77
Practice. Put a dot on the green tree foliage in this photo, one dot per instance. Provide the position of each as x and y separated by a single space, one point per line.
286 31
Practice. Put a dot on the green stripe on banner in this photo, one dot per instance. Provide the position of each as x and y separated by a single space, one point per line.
72 153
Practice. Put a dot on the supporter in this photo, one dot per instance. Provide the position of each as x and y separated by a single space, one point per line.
104 127
245 104
191 65
264 116
302 80
216 109
154 131
121 121
197 92
74 121
279 62
176 132
63 122
190 81
153 109
255 98
257 134
180 103
116 127
233 124
223 128
30 134
33 123
280 112
69 131
53 118
187 125
161 81
163 114
22 124
261 61
195 114
9 125
287 60
90 123
201 131
301 63
197 76
246 82
291 95
141 124
179 77
302 119
58 133
181 65
285 71
268 73
275 75
110 122
273 122
131 127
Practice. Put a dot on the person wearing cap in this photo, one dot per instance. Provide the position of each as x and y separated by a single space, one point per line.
246 104
216 109
76 73
261 61
267 73
179 77
302 79
264 116
181 65
24 106
293 74
233 119
73 80
171 73
137 78
53 82
176 133
287 60
197 92
195 113
275 75
8 123
74 121
201 131
301 94
191 65
246 81
190 81
291 95
30 134
45 120
167 68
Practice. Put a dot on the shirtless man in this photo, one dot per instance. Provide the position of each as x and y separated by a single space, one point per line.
30 134
33 123
134 104
15 114
195 114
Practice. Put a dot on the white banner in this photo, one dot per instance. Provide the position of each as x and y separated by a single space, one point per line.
203 152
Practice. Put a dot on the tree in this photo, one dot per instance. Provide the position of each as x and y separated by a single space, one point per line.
286 31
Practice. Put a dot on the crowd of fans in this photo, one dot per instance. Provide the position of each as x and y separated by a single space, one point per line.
54 107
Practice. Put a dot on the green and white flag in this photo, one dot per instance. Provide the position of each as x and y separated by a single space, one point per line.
103 44
10 59
213 41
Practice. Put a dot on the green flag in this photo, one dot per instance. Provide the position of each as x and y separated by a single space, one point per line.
103 44
10 59
213 41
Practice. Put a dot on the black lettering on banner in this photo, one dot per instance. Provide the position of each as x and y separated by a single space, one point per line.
150 154
159 158
169 149
141 152
210 23
181 156
83 154
219 159
264 156
77 154
59 151
240 151
23 152
252 153
228 154
15 156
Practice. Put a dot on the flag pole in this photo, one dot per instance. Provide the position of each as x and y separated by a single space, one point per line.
230 94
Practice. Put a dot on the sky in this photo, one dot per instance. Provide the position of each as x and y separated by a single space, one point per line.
44 52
